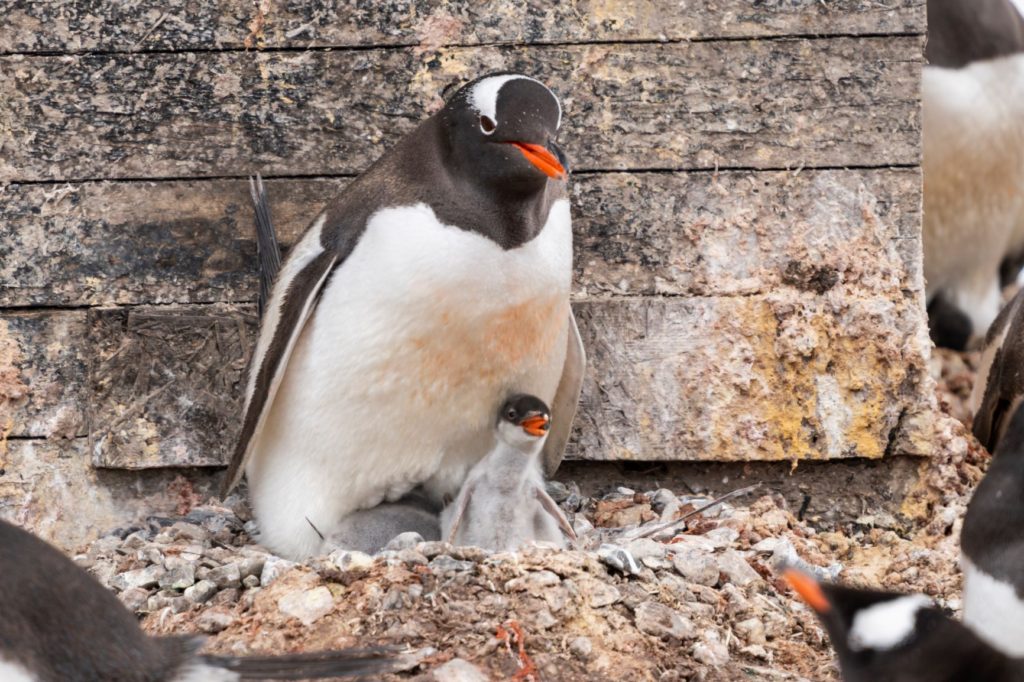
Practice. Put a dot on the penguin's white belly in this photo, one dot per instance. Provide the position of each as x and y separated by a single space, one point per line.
14 672
993 610
398 376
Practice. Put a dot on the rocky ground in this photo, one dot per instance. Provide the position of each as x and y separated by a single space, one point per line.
699 600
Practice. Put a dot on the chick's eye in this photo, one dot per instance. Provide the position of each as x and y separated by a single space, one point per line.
487 125
511 415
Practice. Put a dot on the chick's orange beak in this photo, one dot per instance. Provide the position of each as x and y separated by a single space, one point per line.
536 426
546 162
808 588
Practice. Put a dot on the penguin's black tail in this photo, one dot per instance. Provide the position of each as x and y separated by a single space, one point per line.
312 665
266 240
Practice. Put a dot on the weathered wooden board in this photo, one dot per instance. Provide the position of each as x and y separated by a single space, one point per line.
696 234
775 377
70 25
42 374
49 487
166 384
784 375
756 104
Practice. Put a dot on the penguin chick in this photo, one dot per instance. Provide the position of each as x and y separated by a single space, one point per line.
58 624
503 504
973 161
892 637
369 530
992 538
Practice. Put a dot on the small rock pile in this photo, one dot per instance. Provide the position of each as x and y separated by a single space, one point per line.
636 600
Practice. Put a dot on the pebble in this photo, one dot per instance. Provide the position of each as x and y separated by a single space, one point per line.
696 566
142 577
200 592
661 621
751 630
229 575
308 606
458 670
446 564
403 541
618 558
711 650
603 594
215 620
582 648
535 582
135 598
736 568
179 577
273 567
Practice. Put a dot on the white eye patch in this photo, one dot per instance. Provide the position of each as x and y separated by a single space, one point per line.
887 624
484 95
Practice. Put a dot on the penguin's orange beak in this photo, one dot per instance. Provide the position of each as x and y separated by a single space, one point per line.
537 426
546 162
808 589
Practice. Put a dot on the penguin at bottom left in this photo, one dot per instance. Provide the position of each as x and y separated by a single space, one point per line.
58 624
893 637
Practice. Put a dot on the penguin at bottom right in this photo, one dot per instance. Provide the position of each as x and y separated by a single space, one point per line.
992 538
893 637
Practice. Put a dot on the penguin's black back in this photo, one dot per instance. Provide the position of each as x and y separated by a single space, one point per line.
62 626
965 31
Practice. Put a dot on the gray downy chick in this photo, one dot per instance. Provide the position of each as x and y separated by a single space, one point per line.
503 504
369 530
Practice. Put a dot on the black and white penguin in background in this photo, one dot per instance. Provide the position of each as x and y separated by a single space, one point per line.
434 286
973 120
57 624
892 637
992 538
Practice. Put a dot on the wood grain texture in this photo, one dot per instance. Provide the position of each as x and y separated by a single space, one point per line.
751 104
692 234
42 374
166 384
72 25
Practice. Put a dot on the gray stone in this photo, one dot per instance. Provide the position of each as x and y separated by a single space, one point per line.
201 591
183 529
736 568
603 594
228 575
581 648
273 567
751 630
134 598
446 564
308 606
407 540
722 537
534 582
215 620
250 581
458 670
252 565
711 650
696 566
412 556
661 621
179 577
433 548
141 577
661 498
618 558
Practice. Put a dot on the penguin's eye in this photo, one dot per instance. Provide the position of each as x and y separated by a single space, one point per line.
511 415
487 125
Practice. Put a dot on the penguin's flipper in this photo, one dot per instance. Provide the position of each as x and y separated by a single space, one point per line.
293 298
266 240
313 665
567 397
460 511
551 507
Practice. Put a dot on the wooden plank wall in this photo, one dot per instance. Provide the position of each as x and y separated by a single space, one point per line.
747 217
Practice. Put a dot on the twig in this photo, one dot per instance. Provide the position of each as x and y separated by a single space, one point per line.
713 503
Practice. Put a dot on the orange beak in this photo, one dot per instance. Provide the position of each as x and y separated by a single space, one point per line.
536 426
808 588
546 162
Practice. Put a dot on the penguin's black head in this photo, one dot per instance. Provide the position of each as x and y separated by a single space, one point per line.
891 636
524 419
501 131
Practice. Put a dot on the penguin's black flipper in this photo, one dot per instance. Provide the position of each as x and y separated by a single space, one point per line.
312 665
266 240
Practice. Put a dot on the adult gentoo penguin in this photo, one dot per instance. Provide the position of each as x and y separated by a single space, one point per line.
992 538
436 284
503 504
892 637
973 161
59 625
999 383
